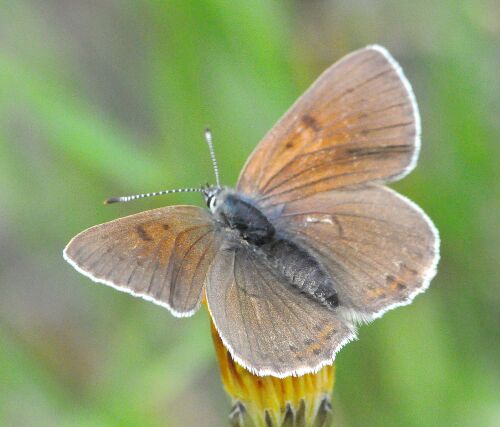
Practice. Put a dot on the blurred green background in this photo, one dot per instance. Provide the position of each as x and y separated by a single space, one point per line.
102 98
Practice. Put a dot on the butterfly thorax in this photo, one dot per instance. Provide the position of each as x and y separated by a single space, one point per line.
286 257
238 213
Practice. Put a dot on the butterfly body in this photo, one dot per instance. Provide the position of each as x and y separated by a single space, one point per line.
309 244
287 258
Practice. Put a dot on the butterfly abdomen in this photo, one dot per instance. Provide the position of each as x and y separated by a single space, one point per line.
301 270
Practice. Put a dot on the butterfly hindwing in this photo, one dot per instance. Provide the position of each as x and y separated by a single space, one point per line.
380 249
357 123
161 255
268 326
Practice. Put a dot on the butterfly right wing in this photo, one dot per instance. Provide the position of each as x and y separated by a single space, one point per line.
161 255
268 326
357 123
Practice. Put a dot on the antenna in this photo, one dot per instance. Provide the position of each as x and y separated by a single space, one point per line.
208 138
123 199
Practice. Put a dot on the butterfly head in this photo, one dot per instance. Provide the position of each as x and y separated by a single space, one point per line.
212 196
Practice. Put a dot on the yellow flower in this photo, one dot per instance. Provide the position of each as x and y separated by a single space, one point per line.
275 402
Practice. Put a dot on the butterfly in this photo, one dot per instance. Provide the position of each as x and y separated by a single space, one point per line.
308 245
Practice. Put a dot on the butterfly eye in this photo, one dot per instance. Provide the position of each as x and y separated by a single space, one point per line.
212 202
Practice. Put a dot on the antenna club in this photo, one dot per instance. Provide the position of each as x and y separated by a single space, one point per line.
112 200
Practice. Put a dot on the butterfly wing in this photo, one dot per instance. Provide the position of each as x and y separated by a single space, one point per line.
380 248
161 255
268 326
357 123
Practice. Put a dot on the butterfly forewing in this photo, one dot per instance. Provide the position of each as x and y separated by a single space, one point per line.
268 326
380 249
357 123
161 255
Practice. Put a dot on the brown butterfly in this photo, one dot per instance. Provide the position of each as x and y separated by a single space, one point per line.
309 244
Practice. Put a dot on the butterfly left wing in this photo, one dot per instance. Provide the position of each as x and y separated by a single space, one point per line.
161 255
268 326
380 248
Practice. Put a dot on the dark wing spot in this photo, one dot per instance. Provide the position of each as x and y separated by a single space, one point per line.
390 279
317 351
143 233
289 145
293 348
165 226
311 122
394 282
404 268
378 151
308 341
